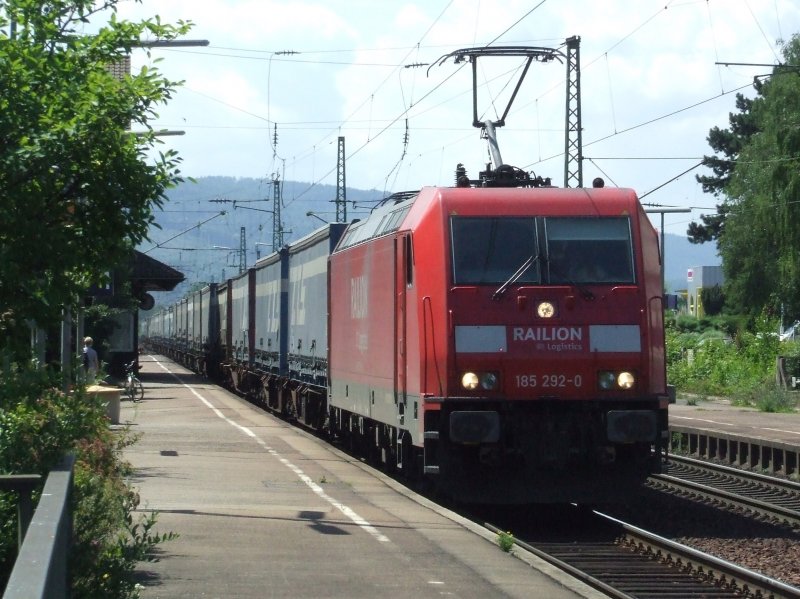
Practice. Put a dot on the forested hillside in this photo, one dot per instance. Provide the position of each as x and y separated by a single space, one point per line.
192 225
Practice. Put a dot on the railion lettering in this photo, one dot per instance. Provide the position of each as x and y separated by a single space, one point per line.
547 334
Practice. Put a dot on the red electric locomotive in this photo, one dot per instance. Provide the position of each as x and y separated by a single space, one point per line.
507 342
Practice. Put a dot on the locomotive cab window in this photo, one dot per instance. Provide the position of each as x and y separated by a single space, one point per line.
490 251
589 250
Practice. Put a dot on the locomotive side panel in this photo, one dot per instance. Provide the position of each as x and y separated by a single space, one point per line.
431 327
652 265
363 330
410 405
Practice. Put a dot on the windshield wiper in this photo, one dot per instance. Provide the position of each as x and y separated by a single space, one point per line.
515 277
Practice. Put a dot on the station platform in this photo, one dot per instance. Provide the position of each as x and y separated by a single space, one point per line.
264 509
720 415
743 437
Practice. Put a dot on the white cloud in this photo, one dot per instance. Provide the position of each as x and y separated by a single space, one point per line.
640 61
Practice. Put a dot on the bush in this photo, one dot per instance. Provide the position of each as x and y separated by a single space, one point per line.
713 300
729 360
767 398
722 361
38 425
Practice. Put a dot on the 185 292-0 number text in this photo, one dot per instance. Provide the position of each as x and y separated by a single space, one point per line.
527 381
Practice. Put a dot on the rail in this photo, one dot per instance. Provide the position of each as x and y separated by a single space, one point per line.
40 571
670 569
749 582
768 496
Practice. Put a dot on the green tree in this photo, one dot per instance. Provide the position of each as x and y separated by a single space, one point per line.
729 143
760 245
77 187
713 300
755 173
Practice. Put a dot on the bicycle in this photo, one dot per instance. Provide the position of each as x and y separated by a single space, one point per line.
133 388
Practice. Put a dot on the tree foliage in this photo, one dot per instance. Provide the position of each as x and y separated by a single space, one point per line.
77 186
761 244
713 300
758 224
729 143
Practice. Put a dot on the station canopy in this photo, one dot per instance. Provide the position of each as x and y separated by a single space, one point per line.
148 274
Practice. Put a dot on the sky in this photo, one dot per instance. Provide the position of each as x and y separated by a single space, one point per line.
281 81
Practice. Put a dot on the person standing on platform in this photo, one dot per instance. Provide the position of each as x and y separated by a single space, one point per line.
91 364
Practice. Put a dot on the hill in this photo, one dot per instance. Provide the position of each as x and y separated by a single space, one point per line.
199 230
680 255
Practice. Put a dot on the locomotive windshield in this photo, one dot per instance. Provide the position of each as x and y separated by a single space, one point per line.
490 250
493 250
589 250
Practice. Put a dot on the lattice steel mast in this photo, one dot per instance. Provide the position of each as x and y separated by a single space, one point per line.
341 187
573 131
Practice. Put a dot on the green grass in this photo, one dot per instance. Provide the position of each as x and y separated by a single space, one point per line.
505 540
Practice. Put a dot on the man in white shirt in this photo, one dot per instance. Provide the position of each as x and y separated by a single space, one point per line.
91 364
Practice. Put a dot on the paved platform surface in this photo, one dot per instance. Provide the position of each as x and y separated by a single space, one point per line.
266 510
719 415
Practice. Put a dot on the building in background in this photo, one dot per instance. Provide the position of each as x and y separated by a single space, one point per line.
697 279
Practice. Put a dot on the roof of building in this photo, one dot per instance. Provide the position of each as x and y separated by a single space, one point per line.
151 275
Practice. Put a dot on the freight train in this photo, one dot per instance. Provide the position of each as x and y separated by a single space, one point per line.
501 340
505 344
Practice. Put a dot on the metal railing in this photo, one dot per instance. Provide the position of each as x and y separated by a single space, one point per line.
40 571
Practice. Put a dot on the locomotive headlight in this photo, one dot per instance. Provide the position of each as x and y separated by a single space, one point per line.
606 380
545 310
470 381
626 380
485 380
489 381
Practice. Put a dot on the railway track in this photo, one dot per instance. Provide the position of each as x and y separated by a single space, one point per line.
768 497
626 562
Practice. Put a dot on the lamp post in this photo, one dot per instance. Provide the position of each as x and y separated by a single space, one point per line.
258 251
317 216
662 212
225 248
